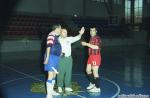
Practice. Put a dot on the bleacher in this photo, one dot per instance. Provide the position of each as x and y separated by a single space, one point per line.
105 29
18 26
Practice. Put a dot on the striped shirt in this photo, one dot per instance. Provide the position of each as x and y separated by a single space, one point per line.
50 40
54 44
96 40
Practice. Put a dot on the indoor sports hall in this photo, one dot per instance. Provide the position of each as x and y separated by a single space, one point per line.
122 25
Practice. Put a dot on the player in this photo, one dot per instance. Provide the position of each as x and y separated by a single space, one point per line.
51 59
94 60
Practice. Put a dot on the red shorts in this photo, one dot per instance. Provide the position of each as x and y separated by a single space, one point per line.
94 60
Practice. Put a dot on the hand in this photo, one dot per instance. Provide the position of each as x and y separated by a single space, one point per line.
46 61
84 43
62 54
82 30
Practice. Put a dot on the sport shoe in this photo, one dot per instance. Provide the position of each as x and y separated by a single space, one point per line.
60 89
68 89
55 93
49 96
94 90
90 86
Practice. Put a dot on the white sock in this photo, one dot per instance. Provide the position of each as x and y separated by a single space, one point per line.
49 88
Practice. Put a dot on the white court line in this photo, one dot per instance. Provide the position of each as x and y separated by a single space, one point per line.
13 80
115 95
27 75
118 87
6 82
34 78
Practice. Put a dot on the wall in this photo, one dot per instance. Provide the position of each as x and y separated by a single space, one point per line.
139 38
146 18
95 9
146 8
32 6
67 7
20 45
70 7
119 11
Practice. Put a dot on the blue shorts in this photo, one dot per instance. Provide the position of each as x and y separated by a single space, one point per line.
52 62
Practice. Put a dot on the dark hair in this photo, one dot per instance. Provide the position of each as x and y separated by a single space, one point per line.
56 26
94 28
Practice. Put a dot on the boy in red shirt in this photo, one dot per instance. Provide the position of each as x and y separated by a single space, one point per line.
94 60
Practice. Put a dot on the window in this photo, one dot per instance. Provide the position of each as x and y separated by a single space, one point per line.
138 5
119 2
100 1
128 11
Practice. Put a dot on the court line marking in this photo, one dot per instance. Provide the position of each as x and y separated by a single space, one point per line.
27 75
118 87
14 80
34 78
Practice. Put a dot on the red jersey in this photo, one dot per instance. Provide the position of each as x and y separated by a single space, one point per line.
95 40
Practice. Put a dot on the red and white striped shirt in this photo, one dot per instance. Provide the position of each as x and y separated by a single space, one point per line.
50 40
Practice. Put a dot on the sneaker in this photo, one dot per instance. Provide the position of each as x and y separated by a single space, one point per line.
54 93
49 96
68 89
60 89
94 93
90 86
94 90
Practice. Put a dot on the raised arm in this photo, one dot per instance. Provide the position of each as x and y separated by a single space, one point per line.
78 37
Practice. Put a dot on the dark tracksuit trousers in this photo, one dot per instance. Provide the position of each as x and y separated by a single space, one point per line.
65 72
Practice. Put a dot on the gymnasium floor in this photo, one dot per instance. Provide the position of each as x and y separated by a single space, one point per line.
124 70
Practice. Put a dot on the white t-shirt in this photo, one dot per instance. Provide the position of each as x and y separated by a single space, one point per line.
66 44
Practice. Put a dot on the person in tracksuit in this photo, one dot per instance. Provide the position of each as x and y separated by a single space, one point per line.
65 64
